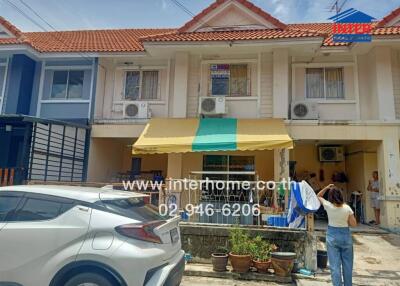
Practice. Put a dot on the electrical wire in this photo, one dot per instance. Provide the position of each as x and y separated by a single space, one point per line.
187 11
53 35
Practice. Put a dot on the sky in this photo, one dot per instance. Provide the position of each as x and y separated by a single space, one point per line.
109 14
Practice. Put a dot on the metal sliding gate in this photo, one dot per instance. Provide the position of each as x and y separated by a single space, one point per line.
58 152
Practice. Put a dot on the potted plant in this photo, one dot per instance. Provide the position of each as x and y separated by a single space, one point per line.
261 254
240 250
219 259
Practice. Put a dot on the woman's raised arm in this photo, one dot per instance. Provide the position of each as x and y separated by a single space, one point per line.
322 192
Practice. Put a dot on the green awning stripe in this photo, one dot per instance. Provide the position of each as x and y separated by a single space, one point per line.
215 134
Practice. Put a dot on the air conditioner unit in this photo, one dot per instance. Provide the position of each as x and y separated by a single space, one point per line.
136 109
331 153
305 110
212 105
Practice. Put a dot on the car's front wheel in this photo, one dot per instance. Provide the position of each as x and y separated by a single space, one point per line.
89 279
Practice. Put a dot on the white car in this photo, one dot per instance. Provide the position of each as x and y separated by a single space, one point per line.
70 236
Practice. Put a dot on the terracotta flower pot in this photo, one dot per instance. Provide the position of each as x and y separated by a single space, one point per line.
262 266
219 261
240 263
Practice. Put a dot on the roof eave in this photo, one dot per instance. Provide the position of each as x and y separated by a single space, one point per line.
283 41
12 48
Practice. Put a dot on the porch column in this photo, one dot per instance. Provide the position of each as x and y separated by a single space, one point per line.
280 83
281 168
179 98
389 176
384 83
174 166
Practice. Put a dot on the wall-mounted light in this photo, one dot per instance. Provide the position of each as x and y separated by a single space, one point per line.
9 128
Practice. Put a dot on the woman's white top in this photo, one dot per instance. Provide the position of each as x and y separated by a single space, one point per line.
337 216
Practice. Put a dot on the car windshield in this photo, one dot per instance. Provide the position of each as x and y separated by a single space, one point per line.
134 208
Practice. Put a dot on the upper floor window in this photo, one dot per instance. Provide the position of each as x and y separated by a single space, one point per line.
229 80
67 84
141 85
324 83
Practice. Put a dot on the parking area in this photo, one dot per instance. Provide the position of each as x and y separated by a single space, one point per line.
202 281
375 263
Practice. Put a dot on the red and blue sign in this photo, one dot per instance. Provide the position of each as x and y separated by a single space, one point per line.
352 26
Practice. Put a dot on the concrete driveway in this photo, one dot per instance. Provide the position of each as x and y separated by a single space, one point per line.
376 262
205 281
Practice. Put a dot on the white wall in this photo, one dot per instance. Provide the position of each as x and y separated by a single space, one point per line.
196 77
110 86
259 104
396 80
266 99
328 109
367 87
384 83
194 82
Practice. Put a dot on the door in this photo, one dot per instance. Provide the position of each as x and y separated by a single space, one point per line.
136 166
44 233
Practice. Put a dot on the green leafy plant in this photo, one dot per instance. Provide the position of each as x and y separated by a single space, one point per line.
260 249
239 241
221 249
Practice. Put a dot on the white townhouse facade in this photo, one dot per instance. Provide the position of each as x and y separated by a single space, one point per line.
263 69
285 99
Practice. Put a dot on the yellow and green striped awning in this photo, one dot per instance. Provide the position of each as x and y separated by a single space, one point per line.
180 135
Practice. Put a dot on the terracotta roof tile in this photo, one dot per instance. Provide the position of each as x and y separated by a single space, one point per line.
130 40
9 41
245 3
265 34
389 18
322 28
123 40
387 31
10 27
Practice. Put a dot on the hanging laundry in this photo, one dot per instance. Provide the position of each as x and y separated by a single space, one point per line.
303 200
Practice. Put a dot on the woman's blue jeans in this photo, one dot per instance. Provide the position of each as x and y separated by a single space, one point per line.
340 254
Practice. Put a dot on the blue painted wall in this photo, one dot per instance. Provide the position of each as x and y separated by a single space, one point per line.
77 111
19 85
2 80
22 93
35 89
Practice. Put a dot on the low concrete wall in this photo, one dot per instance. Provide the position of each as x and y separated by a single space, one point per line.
200 240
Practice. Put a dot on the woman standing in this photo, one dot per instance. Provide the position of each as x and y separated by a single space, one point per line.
373 187
338 237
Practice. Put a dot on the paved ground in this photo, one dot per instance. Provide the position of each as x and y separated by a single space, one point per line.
377 262
205 281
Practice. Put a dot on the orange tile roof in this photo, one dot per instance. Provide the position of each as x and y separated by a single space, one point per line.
319 27
9 41
386 31
263 34
389 17
131 40
245 3
10 27
327 27
121 40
